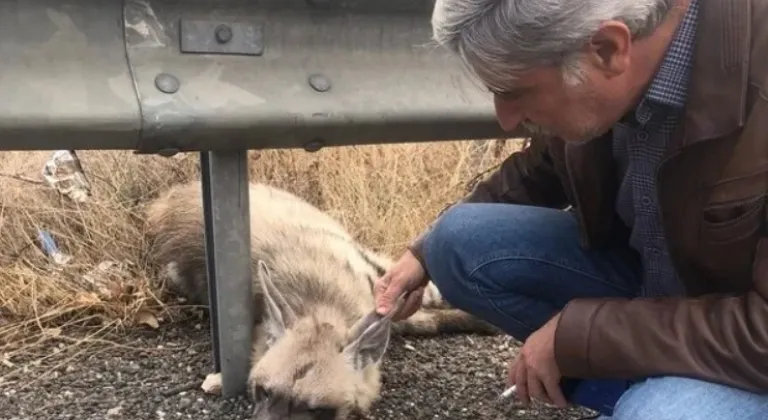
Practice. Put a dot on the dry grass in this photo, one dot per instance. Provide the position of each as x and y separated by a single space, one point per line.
384 194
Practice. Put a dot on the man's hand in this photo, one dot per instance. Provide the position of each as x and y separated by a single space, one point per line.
406 276
534 371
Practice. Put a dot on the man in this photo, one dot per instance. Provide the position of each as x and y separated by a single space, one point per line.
649 119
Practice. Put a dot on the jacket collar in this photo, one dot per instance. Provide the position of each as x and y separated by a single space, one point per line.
718 84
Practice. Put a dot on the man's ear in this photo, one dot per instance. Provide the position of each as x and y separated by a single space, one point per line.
609 48
279 316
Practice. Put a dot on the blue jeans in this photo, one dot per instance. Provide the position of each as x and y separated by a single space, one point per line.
516 266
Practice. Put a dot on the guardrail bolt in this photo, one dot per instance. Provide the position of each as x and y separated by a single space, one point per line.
223 34
314 145
319 82
167 83
168 152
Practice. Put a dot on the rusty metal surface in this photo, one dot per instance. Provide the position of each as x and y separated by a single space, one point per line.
64 79
84 73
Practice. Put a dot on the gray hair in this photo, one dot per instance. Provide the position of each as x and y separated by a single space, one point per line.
497 39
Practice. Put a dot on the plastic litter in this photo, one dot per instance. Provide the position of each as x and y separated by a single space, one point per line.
51 249
108 278
64 172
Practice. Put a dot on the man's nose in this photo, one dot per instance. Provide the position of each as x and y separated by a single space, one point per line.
508 113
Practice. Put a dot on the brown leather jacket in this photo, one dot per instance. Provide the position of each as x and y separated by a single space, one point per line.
712 194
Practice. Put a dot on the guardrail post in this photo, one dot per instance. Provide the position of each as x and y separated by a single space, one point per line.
228 259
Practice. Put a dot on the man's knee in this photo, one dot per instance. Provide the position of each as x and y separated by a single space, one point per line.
470 234
444 249
677 398
453 228
466 233
472 228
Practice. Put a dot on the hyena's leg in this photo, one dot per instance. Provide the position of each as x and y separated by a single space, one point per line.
212 383
433 322
433 299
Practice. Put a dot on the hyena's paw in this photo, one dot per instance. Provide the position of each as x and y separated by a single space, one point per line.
253 386
212 384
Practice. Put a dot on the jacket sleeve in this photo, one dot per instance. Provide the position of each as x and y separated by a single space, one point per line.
525 177
720 338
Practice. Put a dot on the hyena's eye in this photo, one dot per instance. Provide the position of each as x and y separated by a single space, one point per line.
322 413
259 393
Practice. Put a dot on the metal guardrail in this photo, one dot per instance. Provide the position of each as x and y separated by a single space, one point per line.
223 77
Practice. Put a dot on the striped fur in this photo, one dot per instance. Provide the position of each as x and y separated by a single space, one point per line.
317 343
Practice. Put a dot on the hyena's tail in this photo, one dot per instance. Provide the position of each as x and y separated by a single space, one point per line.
433 299
433 322
436 315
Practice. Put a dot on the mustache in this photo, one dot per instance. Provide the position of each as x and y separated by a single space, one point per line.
532 129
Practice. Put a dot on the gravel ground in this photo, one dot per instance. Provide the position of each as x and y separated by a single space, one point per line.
156 374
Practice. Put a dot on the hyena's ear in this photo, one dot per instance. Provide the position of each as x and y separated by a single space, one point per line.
369 338
279 315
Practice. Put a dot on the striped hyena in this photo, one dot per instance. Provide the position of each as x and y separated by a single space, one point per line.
318 342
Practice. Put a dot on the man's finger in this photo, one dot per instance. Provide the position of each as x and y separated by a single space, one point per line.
535 388
521 380
512 371
555 393
387 292
411 305
381 284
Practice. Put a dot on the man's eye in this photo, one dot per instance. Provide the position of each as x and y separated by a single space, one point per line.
510 94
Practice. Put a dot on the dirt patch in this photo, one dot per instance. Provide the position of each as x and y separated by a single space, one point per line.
156 374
